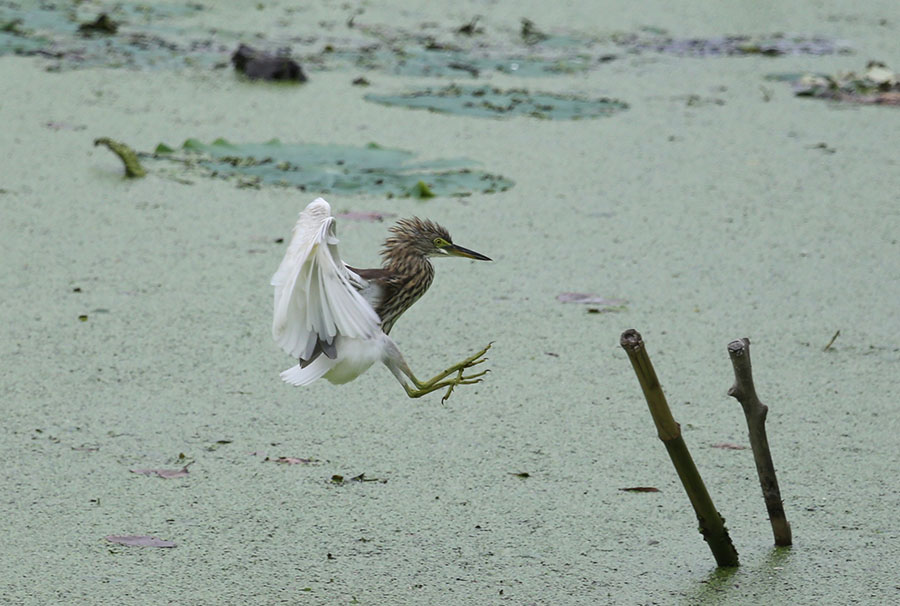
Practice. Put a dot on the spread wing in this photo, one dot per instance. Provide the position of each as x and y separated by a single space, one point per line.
315 296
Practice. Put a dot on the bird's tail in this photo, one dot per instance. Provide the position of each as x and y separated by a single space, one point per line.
304 376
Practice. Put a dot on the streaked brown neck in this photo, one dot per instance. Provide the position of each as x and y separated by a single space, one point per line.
407 276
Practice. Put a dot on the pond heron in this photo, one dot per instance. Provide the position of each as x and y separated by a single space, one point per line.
335 319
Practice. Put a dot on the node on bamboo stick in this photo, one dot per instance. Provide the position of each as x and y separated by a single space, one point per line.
712 526
755 412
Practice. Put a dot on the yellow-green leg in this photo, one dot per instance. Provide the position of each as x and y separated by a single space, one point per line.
440 380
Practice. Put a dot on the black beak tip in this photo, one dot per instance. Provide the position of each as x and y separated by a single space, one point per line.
469 254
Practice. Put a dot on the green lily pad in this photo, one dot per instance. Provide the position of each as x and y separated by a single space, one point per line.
330 168
488 102
142 35
441 63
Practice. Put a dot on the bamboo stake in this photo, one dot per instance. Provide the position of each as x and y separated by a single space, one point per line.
755 411
712 526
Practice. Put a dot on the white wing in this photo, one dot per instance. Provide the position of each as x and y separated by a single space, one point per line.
314 297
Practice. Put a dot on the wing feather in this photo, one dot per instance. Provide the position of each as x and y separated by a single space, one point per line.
315 298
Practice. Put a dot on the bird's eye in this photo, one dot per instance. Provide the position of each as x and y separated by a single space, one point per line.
440 243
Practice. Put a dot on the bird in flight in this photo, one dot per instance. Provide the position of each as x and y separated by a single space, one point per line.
336 319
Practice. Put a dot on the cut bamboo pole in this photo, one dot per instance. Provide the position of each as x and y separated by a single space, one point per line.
755 411
712 526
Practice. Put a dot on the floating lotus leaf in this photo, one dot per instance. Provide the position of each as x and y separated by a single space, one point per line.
419 61
488 102
371 169
136 35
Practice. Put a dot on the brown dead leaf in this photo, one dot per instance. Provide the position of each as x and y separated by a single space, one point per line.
640 489
139 541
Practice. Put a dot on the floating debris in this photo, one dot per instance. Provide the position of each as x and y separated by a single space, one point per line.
471 28
531 34
831 342
878 85
101 25
259 65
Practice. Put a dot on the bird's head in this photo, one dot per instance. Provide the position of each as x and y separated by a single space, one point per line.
425 238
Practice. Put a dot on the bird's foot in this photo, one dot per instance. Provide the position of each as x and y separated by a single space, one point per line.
441 380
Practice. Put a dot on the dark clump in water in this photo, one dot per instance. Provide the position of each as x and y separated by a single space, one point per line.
258 65
102 25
